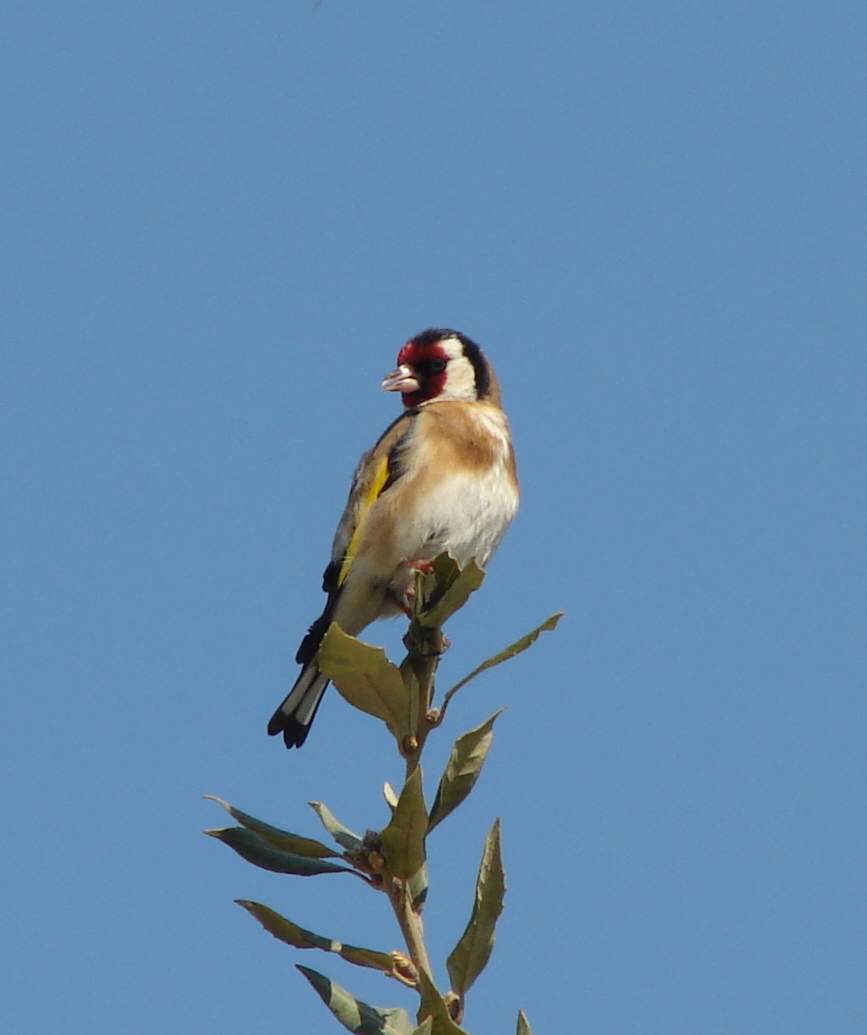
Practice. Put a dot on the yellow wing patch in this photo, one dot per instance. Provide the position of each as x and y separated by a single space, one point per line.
367 501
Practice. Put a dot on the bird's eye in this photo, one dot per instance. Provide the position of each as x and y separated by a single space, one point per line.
437 366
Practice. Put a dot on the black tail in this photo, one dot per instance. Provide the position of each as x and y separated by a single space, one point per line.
298 709
296 713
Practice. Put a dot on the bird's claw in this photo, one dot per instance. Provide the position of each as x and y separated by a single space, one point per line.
422 564
407 601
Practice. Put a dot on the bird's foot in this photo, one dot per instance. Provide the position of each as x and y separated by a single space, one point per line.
407 600
421 564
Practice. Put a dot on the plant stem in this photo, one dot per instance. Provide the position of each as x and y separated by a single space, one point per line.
410 924
424 647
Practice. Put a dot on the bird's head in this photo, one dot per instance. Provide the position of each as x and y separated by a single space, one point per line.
441 364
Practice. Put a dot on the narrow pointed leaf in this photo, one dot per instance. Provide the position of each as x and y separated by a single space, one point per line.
523 1024
285 931
453 586
462 769
289 842
403 838
355 1015
389 794
341 834
370 958
257 851
517 647
433 1008
469 956
366 678
425 1028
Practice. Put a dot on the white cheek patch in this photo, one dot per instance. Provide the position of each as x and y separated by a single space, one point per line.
452 347
460 379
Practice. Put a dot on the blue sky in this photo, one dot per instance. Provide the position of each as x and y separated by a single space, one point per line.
221 220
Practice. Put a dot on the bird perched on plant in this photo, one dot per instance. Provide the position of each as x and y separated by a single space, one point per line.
440 478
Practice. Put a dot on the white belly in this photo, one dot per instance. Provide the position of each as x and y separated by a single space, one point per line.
467 516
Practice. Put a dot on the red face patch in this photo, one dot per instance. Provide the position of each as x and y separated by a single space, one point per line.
429 363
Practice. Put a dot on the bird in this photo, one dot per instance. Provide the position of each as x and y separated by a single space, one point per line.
441 477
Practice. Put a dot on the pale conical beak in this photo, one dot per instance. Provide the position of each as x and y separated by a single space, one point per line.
401 380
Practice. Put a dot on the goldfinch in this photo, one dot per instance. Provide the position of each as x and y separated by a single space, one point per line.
440 478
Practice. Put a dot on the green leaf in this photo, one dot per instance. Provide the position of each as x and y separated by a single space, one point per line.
453 586
433 1008
355 1015
274 836
517 647
366 678
341 834
523 1024
257 851
403 838
285 931
361 957
469 956
425 1028
462 769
